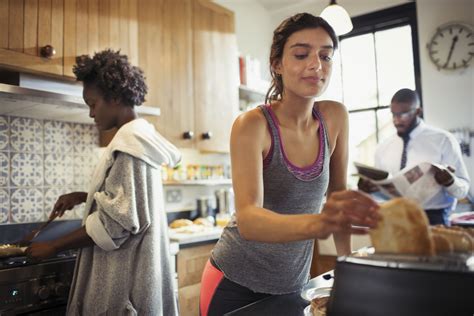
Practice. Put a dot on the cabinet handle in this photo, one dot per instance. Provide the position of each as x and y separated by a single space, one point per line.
47 51
206 135
188 135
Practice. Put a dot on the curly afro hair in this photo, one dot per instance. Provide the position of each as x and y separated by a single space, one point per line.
113 74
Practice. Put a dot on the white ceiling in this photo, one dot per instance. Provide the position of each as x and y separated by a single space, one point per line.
278 6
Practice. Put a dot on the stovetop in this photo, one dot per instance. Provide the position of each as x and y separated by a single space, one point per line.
15 262
30 287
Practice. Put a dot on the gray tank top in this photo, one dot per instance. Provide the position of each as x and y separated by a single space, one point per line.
278 268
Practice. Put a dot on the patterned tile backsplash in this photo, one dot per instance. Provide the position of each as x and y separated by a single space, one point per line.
39 161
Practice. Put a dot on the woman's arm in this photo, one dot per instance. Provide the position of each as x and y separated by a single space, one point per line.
338 124
67 202
260 224
76 239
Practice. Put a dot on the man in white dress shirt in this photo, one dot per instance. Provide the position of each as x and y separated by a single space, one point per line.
418 142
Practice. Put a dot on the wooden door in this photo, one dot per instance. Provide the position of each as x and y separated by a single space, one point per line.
25 27
216 76
92 25
165 45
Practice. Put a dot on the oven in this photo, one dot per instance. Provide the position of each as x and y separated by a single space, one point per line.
36 288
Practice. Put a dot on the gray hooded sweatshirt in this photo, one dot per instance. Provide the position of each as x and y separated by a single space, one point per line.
127 271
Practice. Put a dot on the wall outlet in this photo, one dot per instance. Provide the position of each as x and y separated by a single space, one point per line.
174 195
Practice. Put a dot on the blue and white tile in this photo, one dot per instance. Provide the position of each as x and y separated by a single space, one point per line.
4 169
26 169
58 137
51 195
86 138
26 205
4 206
83 169
79 211
58 169
4 132
26 134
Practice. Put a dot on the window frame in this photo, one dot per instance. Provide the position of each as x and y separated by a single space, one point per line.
393 17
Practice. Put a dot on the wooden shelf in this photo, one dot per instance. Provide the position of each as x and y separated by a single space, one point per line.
205 182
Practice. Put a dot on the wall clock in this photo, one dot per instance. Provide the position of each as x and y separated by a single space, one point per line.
452 46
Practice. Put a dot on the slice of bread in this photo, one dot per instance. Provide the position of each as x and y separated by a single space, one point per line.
403 229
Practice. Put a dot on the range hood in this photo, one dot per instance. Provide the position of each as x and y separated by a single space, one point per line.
44 98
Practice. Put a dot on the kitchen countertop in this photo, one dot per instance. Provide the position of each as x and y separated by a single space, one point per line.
288 304
280 305
186 238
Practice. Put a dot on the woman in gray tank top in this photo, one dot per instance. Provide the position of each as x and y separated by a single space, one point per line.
286 155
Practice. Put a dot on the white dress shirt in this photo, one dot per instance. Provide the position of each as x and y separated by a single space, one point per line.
427 144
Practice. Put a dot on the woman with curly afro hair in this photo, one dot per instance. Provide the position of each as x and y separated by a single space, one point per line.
122 266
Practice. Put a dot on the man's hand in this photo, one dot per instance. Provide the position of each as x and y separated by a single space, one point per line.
445 177
366 186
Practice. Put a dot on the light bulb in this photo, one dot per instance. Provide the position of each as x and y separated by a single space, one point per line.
338 18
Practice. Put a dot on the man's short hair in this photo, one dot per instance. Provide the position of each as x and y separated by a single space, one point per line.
406 96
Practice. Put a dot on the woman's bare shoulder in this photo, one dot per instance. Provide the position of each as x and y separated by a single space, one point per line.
250 122
331 109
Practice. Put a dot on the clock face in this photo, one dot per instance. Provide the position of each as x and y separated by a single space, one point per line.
452 46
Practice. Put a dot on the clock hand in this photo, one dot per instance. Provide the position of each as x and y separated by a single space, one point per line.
455 39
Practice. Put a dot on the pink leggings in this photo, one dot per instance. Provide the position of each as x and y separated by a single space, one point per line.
220 295
211 278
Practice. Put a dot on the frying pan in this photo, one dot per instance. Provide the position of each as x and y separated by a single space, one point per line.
11 250
18 248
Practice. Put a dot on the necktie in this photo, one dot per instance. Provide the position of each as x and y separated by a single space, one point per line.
403 162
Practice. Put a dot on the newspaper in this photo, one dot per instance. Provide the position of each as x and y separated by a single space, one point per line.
415 182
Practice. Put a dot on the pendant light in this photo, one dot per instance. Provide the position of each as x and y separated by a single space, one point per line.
337 17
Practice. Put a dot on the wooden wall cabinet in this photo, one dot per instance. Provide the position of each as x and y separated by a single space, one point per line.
94 25
25 27
191 262
71 27
187 49
216 75
165 55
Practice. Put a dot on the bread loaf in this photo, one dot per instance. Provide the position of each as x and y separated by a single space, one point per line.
203 221
441 243
180 223
403 229
461 241
318 306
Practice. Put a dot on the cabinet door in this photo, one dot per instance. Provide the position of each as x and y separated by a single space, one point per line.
165 54
216 77
25 27
92 25
188 298
191 262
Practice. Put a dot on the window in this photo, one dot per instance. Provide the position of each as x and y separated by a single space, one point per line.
379 57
